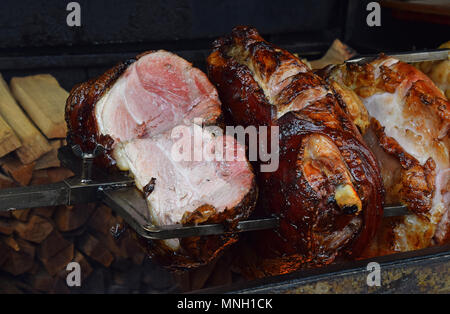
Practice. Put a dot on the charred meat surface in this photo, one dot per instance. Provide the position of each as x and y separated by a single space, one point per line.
144 112
327 189
409 134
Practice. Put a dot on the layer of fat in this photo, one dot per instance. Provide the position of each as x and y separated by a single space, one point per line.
99 108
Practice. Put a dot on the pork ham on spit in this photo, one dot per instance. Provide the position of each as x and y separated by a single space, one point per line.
327 189
138 111
409 134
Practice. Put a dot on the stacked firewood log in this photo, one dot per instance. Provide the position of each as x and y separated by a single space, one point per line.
37 244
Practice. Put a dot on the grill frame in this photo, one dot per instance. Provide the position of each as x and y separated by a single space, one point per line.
402 272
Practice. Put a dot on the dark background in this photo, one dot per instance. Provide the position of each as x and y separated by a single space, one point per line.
191 24
35 38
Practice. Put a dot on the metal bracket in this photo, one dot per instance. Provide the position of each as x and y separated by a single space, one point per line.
87 161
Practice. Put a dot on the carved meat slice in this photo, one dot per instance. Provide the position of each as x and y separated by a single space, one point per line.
409 134
327 189
148 114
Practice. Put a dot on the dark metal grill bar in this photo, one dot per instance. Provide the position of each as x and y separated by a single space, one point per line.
34 196
131 206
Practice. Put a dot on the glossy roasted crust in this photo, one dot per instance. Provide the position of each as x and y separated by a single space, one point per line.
245 103
416 184
422 95
83 130
305 217
246 63
351 104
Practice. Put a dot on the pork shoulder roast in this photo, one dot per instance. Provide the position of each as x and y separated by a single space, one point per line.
409 134
142 112
327 190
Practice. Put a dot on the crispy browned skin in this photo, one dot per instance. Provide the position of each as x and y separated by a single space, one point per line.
321 155
351 104
83 130
423 116
413 186
423 96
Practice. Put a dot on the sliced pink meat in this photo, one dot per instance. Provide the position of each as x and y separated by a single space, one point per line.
141 111
155 93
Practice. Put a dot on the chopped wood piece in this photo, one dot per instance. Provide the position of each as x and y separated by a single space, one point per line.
86 268
8 139
40 177
53 244
42 281
20 172
34 144
45 282
102 220
93 248
133 249
5 214
44 100
35 269
4 249
9 286
19 262
35 230
50 159
52 175
111 244
336 54
68 218
7 226
12 243
21 214
59 261
45 212
59 174
6 182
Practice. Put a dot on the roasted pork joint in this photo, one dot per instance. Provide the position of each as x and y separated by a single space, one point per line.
149 114
409 134
327 189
